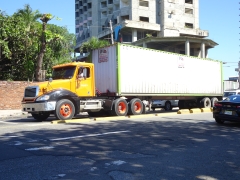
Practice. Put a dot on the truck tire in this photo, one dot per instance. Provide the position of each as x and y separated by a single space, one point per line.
135 107
41 116
64 109
213 101
167 106
120 107
205 103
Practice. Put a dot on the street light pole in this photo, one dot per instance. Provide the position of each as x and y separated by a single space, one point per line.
110 23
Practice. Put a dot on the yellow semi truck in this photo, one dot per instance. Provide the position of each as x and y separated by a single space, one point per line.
121 79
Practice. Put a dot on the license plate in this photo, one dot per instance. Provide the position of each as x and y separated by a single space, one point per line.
228 112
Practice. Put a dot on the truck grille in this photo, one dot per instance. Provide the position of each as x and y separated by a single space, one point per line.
31 91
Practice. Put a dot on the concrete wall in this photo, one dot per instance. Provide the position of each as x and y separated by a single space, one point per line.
11 94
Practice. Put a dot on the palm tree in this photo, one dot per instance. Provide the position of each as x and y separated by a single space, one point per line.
45 18
93 43
30 17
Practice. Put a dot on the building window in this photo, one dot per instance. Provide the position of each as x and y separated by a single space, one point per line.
145 19
188 11
77 30
143 3
189 1
189 25
110 1
110 11
104 4
89 5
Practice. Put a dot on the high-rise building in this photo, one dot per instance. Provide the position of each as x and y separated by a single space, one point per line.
171 25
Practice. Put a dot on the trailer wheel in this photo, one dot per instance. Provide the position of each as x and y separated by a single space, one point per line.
205 103
120 107
41 116
213 101
135 107
64 109
168 106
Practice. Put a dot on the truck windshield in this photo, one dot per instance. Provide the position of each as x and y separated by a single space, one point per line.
63 72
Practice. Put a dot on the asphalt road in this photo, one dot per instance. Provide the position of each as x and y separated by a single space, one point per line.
167 147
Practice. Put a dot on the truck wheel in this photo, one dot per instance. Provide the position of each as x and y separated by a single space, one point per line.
64 109
41 116
120 107
135 107
213 101
205 103
168 106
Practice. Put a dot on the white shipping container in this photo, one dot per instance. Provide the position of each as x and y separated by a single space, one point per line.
131 70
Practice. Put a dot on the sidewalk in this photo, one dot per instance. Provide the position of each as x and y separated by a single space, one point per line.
12 113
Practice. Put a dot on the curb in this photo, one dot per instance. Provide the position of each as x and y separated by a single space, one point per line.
112 118
194 110
13 115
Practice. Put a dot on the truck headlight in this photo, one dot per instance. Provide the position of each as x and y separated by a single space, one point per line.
43 98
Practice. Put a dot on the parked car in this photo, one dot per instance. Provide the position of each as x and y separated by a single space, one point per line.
165 104
227 109
230 92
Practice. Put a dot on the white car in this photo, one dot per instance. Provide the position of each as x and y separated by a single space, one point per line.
230 92
165 104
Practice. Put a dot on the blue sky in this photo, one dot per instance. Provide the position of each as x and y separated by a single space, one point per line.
220 18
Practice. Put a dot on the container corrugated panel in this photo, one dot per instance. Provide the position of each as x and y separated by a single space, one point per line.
146 71
105 69
142 71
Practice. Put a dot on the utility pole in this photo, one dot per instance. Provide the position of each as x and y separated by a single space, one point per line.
110 23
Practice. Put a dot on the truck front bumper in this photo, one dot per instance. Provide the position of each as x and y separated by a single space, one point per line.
39 107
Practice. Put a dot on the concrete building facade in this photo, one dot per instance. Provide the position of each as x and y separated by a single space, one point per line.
170 25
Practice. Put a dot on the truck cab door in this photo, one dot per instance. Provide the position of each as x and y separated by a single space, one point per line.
84 82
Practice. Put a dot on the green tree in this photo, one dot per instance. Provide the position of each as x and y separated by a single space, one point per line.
93 43
30 18
26 44
11 42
